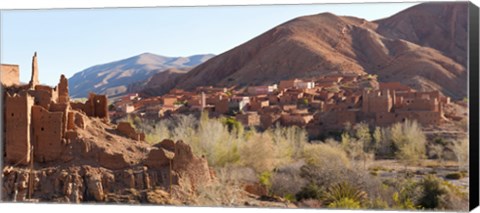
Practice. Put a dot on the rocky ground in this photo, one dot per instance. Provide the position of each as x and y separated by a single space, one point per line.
100 165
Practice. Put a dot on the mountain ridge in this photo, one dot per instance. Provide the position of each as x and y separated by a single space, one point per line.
325 43
114 78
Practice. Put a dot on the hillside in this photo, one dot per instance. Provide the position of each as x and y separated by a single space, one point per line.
326 43
442 26
114 78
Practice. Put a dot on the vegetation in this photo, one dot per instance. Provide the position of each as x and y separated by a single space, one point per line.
460 148
344 195
454 176
326 173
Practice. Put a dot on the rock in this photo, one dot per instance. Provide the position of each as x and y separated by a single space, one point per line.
189 166
94 186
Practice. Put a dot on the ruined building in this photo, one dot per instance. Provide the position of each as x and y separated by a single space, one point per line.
42 117
391 106
63 151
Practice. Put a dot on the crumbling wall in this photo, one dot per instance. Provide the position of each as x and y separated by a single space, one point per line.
78 106
64 108
191 168
62 89
376 101
97 106
43 96
34 78
47 134
17 126
126 129
9 74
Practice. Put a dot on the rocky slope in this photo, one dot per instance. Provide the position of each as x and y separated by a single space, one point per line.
441 26
396 49
99 164
162 78
114 78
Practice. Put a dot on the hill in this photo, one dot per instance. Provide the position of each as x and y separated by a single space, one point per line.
325 43
114 78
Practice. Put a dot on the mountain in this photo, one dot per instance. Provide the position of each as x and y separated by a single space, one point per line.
442 26
325 43
160 79
116 77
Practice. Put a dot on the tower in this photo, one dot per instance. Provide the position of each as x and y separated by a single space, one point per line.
34 80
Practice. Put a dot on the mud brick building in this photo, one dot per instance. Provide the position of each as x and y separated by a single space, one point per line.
41 116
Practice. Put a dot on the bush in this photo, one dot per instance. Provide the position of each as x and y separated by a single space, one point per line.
377 203
225 190
344 195
345 203
460 148
323 154
405 193
409 141
310 191
232 123
454 176
433 190
286 180
258 153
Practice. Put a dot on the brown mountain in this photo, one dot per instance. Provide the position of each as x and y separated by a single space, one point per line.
325 43
157 81
442 26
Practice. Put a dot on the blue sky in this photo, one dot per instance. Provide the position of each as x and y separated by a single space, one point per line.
68 41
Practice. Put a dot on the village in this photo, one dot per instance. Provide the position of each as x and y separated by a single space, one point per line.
319 104
64 150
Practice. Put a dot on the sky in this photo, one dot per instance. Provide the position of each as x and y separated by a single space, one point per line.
70 40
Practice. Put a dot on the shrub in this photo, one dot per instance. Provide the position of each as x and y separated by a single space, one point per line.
377 203
406 192
460 148
290 197
409 140
454 176
225 190
310 191
265 179
289 143
232 123
432 192
344 195
402 202
323 154
345 203
286 180
258 153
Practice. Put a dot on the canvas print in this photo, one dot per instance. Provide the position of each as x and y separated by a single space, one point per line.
328 106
